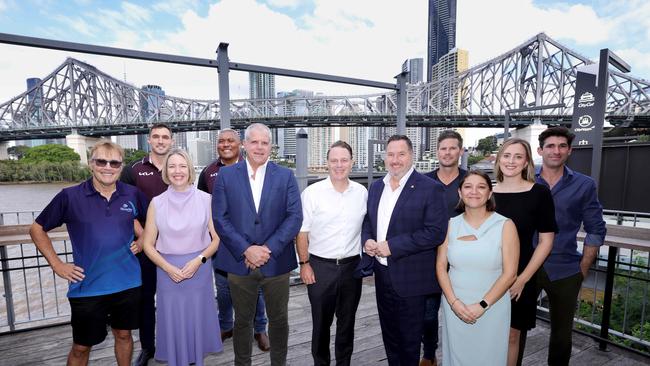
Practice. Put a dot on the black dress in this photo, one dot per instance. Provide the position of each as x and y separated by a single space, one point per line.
531 211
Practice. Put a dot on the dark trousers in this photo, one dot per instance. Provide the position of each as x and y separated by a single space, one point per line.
334 292
244 291
430 332
562 298
147 303
401 320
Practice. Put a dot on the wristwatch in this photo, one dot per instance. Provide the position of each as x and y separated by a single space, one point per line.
203 258
484 304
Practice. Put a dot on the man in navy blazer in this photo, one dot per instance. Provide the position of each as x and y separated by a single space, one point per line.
405 222
257 213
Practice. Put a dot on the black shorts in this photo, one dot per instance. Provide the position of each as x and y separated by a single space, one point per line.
91 315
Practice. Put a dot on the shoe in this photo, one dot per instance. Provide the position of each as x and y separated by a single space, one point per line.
262 341
225 335
144 357
427 362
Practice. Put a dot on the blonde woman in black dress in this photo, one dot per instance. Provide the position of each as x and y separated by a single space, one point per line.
530 206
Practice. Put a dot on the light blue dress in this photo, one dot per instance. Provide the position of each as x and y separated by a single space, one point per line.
474 267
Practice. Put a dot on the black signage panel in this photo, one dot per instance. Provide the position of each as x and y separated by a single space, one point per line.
588 112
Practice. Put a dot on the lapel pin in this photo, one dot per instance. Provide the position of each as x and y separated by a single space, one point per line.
412 186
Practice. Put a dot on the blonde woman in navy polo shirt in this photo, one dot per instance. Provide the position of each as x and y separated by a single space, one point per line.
179 237
104 278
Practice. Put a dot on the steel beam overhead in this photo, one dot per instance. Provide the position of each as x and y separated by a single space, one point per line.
538 74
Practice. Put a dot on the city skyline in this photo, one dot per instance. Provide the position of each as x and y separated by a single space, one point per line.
362 40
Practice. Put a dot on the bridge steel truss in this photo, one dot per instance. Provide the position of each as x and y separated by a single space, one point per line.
77 96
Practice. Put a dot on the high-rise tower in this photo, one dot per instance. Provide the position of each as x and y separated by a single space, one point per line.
442 31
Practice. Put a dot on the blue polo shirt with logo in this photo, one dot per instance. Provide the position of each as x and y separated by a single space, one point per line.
101 232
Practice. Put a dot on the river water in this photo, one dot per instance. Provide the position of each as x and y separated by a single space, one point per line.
27 197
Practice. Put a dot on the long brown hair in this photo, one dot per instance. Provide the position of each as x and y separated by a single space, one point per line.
529 171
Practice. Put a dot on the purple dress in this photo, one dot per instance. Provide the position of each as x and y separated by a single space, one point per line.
187 326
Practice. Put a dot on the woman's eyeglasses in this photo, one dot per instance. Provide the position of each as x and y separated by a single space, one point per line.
103 162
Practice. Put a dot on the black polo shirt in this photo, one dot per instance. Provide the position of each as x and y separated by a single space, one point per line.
209 174
144 175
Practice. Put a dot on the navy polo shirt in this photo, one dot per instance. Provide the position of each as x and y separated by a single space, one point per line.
101 232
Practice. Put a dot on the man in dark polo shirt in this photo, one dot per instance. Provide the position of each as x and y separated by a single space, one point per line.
228 147
450 148
146 175
100 216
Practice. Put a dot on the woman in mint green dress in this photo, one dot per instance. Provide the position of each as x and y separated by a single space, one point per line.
482 251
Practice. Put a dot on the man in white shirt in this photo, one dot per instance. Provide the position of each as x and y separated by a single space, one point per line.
405 222
329 248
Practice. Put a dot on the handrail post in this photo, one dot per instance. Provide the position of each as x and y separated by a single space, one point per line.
607 300
6 280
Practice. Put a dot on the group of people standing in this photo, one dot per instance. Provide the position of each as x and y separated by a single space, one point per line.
141 246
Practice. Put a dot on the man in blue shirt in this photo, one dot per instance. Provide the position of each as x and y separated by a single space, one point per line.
101 217
576 203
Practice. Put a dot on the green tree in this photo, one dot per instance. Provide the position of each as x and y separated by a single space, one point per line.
54 153
487 144
473 159
18 151
131 155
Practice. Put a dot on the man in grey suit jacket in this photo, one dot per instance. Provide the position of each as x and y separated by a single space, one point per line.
257 213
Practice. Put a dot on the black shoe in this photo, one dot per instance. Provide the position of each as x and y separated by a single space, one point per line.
144 357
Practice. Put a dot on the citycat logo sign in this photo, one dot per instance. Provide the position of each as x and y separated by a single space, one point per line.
586 100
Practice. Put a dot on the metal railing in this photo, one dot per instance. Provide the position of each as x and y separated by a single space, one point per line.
33 295
18 217
613 306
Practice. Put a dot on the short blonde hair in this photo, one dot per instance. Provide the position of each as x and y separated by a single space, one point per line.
529 171
107 145
190 165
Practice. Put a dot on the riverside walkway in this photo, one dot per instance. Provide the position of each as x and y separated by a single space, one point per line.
49 346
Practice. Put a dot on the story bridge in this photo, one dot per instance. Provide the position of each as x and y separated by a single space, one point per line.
78 97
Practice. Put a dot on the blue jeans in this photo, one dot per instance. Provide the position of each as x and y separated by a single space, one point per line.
430 334
225 306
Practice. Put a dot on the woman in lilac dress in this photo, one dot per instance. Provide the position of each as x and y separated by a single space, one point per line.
179 238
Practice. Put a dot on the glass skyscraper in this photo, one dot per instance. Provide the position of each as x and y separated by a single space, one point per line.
442 31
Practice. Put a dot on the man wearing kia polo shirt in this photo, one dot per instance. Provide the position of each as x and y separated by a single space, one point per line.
146 175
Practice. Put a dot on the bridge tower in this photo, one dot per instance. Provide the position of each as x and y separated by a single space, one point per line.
4 155
80 144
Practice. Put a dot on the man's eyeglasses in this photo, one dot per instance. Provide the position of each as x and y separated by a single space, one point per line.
103 162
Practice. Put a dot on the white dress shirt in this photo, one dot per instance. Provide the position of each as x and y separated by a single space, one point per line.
387 203
333 219
257 184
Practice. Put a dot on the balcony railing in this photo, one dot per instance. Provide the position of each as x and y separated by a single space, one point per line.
613 304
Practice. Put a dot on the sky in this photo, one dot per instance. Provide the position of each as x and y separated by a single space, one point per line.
366 39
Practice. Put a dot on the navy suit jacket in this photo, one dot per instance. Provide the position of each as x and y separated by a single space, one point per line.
239 226
417 226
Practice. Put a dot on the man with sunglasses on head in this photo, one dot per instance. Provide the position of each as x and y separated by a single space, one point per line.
101 216
146 175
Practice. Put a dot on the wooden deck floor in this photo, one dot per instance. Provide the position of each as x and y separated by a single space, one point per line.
50 346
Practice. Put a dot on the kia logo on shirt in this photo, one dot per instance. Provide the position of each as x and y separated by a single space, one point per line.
145 173
214 174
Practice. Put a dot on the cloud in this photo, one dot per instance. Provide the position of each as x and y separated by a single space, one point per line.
176 7
284 3
362 39
489 28
3 5
77 24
